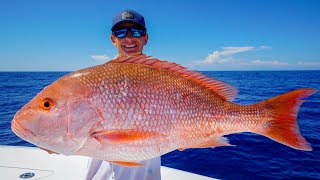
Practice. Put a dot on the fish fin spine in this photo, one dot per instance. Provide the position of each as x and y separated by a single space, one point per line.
283 126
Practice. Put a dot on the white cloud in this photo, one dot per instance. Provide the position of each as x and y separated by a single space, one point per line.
101 58
224 55
264 47
226 59
303 63
233 50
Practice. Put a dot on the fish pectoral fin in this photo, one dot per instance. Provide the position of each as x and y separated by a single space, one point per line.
48 151
128 164
123 135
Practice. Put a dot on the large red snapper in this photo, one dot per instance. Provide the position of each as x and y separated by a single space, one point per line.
133 109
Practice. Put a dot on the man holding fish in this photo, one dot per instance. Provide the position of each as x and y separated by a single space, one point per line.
133 109
129 35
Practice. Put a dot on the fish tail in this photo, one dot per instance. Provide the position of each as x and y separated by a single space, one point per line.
283 126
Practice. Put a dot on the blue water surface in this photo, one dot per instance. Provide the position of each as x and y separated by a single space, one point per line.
253 157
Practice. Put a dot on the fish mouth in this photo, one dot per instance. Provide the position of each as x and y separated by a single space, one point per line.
20 131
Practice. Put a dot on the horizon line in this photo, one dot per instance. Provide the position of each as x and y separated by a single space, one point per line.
196 70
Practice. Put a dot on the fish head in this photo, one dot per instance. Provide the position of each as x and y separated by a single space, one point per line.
54 119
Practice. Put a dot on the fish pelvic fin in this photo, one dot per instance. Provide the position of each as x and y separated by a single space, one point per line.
283 126
127 164
48 151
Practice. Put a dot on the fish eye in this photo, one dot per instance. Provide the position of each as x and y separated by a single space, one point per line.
46 104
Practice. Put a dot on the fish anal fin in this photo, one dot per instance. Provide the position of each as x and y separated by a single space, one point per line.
127 163
223 90
212 143
221 141
123 135
216 142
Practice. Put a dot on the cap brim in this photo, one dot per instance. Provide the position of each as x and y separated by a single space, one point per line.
131 21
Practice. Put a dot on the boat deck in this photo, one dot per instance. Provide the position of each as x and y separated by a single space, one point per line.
17 163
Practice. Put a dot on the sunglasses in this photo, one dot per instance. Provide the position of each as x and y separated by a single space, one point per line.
123 32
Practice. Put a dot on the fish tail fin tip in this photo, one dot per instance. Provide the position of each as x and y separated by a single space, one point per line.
283 126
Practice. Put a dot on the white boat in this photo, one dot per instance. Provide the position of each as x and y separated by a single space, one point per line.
30 163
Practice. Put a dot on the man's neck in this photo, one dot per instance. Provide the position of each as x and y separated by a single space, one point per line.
128 55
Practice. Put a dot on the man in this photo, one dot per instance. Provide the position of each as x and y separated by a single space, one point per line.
129 35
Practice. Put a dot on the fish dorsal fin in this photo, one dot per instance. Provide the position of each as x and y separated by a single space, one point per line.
224 90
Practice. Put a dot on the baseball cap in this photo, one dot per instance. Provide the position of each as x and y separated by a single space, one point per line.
128 16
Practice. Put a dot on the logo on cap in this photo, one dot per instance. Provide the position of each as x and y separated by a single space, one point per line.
127 15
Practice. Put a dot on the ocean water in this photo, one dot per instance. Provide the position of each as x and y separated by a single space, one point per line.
253 157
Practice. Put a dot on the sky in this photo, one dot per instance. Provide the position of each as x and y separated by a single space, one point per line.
205 35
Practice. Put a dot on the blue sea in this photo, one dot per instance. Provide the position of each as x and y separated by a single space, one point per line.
253 157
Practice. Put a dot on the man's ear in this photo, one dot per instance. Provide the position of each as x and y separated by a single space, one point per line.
113 39
146 37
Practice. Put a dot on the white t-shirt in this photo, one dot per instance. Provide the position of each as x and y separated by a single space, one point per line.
102 170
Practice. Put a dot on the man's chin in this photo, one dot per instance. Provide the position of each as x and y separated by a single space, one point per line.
132 53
